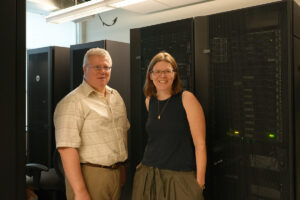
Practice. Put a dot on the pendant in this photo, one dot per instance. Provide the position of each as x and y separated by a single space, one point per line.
158 117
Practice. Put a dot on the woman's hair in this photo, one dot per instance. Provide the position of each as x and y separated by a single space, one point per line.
96 52
149 88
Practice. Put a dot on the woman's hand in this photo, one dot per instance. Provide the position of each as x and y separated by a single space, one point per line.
84 195
138 166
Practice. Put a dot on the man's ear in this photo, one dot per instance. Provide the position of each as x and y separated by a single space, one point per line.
84 70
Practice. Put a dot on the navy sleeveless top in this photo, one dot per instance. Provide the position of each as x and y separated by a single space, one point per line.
170 144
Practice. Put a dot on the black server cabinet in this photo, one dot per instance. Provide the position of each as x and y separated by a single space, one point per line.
120 74
295 62
175 38
47 82
253 103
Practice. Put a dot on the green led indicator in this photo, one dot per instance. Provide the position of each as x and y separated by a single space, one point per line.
271 135
233 133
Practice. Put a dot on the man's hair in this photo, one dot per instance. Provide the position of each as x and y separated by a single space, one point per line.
149 88
96 51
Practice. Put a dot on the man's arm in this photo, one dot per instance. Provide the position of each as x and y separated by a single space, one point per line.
71 164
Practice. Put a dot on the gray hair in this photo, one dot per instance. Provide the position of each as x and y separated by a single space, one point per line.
96 51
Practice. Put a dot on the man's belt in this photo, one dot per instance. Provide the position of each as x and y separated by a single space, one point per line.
114 166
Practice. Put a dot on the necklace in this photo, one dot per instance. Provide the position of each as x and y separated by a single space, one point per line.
160 112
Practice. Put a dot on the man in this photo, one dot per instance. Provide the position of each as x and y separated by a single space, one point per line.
91 133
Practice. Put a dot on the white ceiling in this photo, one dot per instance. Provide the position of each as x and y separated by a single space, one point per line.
148 6
153 6
175 3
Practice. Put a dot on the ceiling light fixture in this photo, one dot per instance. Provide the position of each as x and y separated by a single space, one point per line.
78 11
46 5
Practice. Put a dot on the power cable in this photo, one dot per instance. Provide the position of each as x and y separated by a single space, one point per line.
105 24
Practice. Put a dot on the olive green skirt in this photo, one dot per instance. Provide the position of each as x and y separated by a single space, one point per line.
151 183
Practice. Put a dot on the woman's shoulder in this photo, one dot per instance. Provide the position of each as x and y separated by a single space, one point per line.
186 92
187 95
188 98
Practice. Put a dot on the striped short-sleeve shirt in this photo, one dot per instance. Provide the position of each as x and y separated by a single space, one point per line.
95 124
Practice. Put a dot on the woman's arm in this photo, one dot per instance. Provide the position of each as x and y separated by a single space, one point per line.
147 102
196 119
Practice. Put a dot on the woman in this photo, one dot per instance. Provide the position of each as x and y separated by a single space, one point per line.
174 162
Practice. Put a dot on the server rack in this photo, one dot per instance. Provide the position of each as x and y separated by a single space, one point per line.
246 69
47 82
253 102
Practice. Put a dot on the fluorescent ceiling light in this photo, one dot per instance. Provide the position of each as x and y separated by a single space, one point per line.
125 3
78 11
44 5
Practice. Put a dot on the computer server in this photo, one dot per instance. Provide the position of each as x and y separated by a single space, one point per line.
245 71
252 61
48 73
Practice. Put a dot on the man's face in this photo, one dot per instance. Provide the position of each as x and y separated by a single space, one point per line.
97 72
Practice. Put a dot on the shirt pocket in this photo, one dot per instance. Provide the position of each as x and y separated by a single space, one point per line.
119 115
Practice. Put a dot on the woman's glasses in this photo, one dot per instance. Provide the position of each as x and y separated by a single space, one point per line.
165 72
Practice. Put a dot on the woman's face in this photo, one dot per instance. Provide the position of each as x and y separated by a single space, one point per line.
162 76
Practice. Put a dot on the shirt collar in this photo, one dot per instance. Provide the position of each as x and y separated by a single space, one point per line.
87 89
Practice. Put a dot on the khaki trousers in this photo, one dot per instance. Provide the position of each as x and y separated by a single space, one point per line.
151 183
101 183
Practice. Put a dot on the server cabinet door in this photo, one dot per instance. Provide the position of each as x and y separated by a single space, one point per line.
38 108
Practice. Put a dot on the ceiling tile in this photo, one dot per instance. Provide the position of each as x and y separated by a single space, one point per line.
146 7
176 3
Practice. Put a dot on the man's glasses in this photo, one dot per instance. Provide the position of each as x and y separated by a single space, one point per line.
159 72
97 68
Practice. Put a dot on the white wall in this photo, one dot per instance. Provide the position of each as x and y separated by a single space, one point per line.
39 33
93 30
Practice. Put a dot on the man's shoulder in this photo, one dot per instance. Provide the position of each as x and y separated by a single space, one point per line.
112 90
72 97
